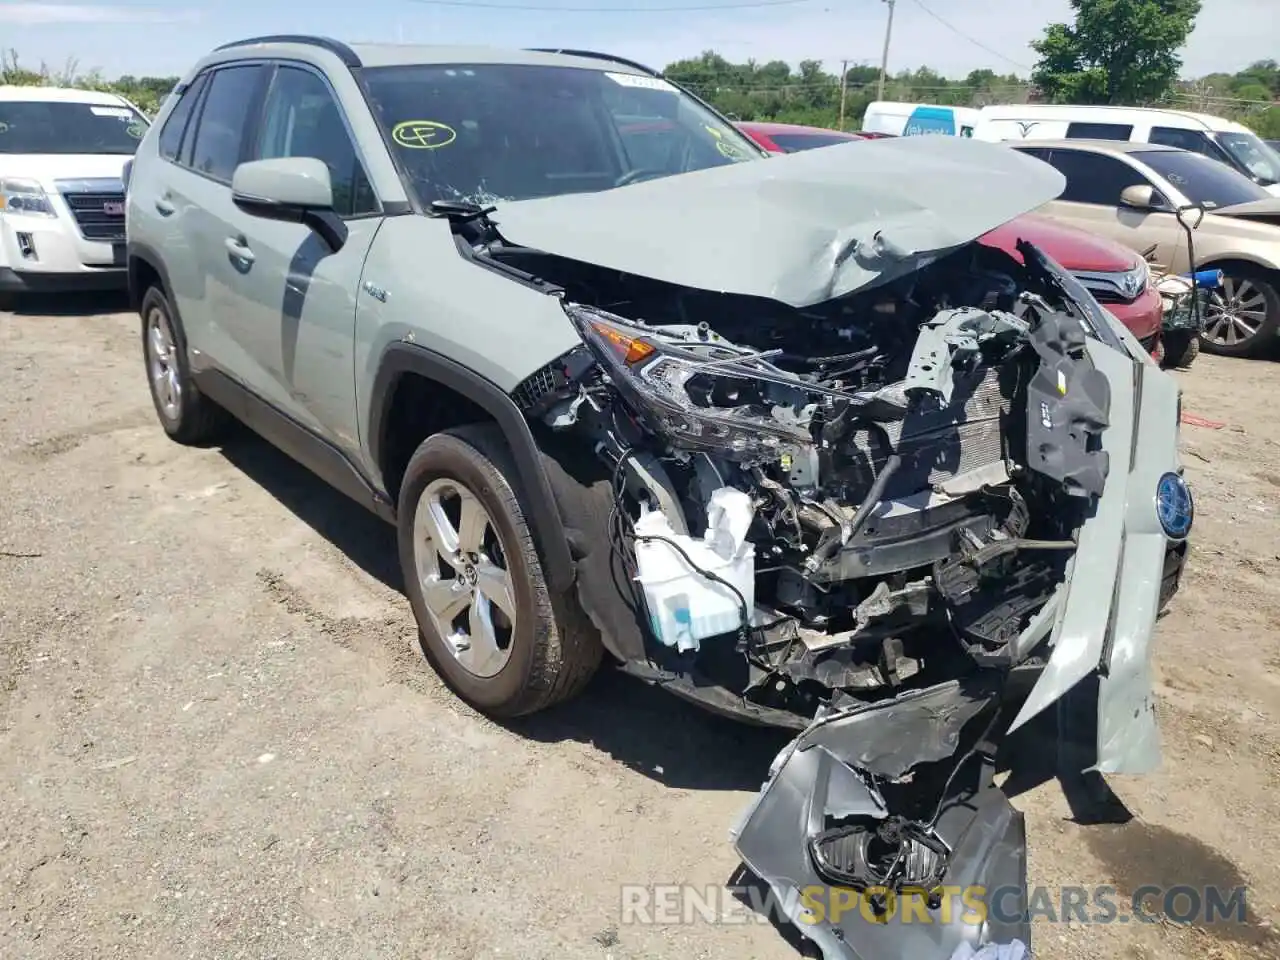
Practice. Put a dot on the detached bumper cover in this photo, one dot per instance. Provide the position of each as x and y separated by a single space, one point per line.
982 897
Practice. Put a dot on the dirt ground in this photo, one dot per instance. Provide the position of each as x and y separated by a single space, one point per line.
218 741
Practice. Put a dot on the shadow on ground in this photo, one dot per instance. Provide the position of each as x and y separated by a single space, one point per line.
80 304
660 736
646 729
1197 886
367 540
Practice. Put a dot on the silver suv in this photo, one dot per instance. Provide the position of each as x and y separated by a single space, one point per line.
776 433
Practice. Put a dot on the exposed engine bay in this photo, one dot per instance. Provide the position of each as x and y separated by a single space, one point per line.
871 494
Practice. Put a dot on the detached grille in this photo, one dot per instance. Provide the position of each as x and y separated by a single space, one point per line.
99 215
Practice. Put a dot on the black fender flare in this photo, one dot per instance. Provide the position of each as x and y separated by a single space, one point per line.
138 251
544 516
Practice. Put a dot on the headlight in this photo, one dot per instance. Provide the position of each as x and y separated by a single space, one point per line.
25 197
1141 276
688 392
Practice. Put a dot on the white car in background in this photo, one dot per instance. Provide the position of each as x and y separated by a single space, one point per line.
62 157
1223 140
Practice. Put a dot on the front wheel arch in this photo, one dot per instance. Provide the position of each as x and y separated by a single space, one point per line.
475 399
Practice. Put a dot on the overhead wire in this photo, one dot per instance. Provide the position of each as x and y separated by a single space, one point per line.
960 33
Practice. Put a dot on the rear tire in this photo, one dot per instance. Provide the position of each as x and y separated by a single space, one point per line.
187 415
1242 318
489 624
1181 347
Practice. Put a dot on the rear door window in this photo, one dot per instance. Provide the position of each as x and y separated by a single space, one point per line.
1094 177
1099 131
220 136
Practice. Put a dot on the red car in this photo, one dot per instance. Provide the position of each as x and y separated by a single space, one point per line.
790 137
1115 275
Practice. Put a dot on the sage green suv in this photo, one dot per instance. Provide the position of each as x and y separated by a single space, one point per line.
776 433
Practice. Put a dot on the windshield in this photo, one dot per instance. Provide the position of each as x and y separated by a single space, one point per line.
487 133
791 142
1254 155
60 127
1210 183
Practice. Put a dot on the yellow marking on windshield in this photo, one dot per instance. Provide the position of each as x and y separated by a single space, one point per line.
423 134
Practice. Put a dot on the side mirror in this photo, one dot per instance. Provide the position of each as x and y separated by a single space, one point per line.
292 189
1142 196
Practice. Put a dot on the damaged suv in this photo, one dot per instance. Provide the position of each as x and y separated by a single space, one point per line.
774 433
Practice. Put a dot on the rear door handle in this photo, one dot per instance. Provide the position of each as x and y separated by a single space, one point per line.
239 249
164 207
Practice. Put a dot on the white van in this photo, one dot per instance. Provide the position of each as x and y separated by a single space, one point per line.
1232 143
62 155
918 119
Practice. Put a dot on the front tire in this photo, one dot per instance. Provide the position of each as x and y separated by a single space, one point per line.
1181 347
187 415
490 625
1242 317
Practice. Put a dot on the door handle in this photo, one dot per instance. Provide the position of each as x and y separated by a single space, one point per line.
164 207
239 249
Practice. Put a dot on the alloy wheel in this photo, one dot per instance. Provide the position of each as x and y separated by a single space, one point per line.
1233 314
163 363
466 584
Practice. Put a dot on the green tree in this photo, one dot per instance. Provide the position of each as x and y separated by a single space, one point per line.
1116 51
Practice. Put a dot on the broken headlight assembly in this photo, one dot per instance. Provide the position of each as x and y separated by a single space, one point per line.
696 390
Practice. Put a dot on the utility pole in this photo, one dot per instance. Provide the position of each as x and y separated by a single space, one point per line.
844 84
884 57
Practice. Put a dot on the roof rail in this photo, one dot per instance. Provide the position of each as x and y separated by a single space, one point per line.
593 55
336 47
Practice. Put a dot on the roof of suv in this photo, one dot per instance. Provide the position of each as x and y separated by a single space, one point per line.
1100 146
403 54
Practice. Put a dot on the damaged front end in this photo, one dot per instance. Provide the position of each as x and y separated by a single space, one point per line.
859 517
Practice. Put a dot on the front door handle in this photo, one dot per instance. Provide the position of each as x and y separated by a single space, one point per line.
237 247
164 207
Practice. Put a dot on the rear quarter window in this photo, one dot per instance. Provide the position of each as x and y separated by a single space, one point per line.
175 125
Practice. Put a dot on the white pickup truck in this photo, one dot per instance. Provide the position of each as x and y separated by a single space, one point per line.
62 154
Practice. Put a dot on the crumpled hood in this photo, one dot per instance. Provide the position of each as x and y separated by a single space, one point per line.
801 228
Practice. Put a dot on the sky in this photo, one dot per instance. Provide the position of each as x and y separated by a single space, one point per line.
164 39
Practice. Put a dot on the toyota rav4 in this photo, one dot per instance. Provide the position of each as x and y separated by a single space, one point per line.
777 435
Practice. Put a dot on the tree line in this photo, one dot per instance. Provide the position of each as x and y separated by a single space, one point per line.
1113 52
